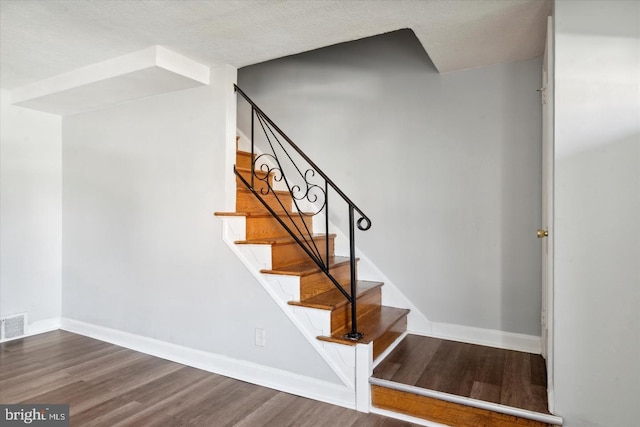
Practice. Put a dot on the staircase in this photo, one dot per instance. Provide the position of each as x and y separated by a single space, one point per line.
379 325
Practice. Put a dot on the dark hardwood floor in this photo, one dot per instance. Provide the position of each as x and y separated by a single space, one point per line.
506 377
107 385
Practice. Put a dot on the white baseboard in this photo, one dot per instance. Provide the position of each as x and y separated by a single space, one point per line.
250 372
486 337
38 327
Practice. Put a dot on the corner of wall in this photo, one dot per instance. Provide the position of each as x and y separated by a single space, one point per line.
30 214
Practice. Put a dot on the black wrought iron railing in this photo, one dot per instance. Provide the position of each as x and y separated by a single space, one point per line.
279 162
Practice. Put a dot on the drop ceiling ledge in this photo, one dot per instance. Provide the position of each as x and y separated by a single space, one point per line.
148 72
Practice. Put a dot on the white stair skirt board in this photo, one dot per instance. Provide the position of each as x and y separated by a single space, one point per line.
311 322
253 373
474 403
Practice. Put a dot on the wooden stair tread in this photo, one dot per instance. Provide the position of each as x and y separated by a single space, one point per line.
333 299
373 325
257 170
283 240
280 192
257 214
229 214
307 267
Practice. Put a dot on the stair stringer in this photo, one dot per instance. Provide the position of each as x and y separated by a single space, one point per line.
282 289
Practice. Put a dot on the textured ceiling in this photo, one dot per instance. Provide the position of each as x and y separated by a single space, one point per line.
40 39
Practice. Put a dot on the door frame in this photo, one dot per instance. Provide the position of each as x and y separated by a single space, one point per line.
547 318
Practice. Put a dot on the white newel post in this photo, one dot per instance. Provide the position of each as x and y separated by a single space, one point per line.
364 369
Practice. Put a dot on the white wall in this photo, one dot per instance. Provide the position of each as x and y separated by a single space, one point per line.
597 213
142 250
30 214
448 167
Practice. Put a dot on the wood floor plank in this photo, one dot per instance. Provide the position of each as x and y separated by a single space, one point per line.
387 370
145 418
485 392
414 354
80 395
300 413
166 386
15 369
517 370
108 413
249 400
269 412
448 354
16 392
136 374
538 370
103 362
468 364
225 409
491 366
58 358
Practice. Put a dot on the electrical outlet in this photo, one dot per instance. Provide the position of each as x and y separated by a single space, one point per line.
261 337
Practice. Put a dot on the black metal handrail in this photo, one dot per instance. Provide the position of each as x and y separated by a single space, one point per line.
269 167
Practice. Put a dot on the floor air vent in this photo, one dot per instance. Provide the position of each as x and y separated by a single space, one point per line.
12 326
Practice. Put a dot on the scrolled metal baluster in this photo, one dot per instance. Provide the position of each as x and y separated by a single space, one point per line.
326 220
354 335
253 163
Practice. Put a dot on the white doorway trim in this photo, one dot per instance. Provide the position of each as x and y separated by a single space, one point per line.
547 209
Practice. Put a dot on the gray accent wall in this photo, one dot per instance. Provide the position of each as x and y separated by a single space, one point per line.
447 166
